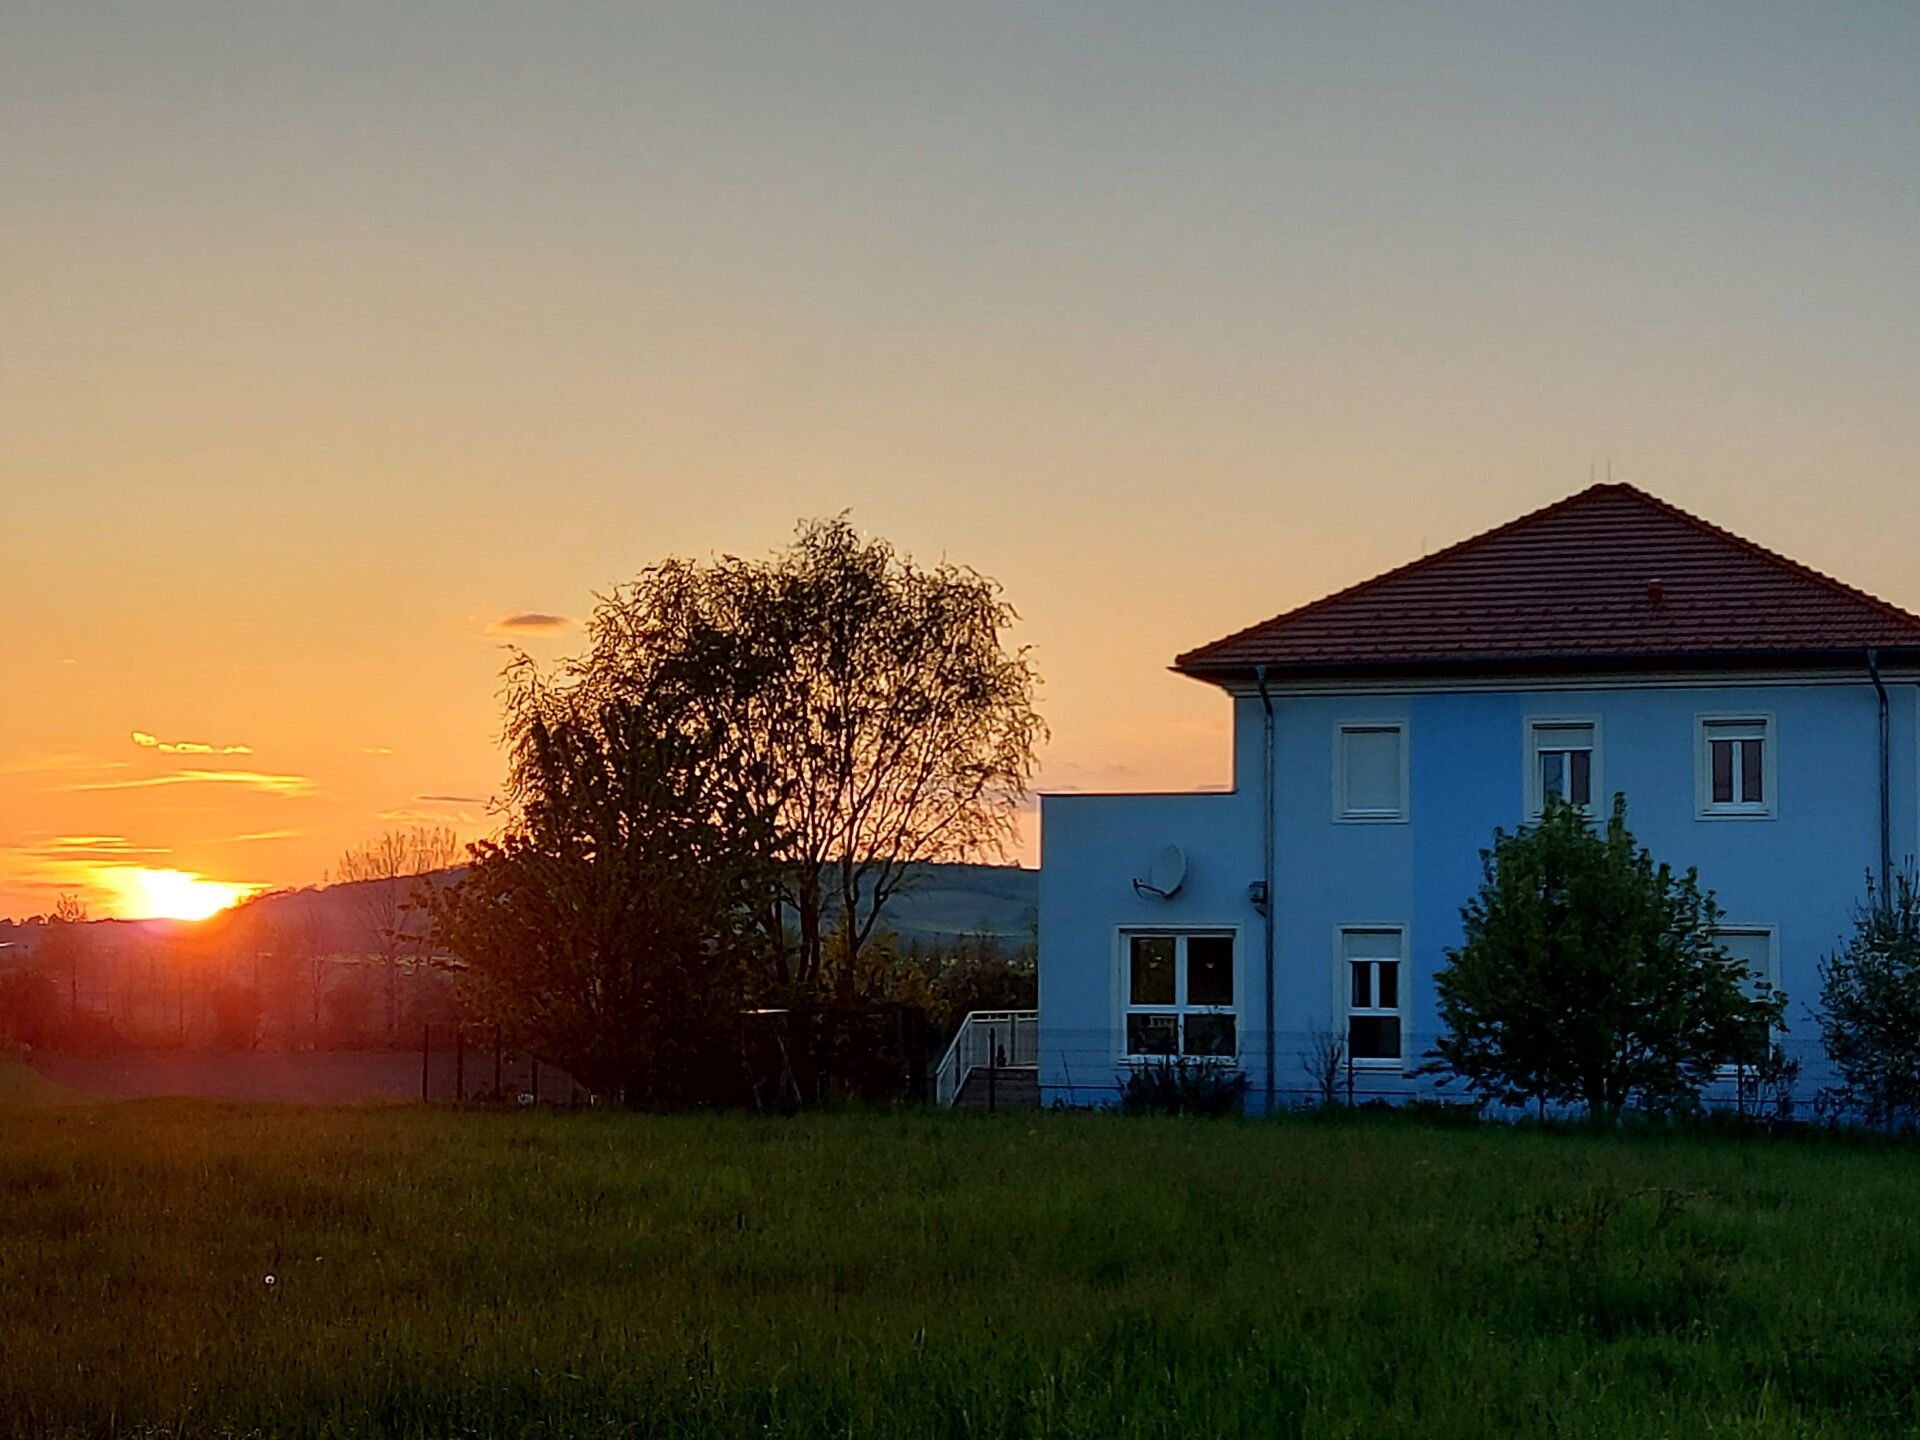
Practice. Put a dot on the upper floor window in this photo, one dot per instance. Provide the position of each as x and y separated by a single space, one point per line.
1371 980
1370 771
1563 760
1735 765
1180 995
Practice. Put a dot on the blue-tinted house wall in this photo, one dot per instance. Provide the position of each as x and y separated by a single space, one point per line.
1797 873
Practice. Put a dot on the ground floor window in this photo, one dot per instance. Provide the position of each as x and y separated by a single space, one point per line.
1753 947
1372 965
1179 991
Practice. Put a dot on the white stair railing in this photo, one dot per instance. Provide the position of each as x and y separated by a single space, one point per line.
1006 1038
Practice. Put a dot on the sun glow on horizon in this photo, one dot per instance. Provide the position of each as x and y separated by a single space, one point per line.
149 894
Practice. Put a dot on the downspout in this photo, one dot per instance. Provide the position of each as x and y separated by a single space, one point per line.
1886 819
1266 869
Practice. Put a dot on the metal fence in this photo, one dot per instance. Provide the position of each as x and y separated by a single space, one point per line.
1000 1039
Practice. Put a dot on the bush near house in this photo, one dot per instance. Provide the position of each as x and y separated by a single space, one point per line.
1870 1007
1179 1086
1590 975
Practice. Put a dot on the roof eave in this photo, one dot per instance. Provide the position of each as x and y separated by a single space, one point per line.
1242 672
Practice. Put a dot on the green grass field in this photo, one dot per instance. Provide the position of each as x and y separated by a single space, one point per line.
439 1273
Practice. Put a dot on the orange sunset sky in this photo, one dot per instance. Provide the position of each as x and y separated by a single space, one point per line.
333 337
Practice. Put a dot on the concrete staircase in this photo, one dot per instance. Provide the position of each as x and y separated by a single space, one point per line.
1010 1087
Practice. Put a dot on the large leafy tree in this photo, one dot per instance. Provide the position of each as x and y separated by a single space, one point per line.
612 926
1589 974
873 713
1870 1005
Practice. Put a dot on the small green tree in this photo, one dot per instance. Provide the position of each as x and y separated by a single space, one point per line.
1870 1005
1590 974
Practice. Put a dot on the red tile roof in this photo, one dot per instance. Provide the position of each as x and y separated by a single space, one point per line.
1610 577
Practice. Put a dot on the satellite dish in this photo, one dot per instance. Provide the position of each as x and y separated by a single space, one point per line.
1165 875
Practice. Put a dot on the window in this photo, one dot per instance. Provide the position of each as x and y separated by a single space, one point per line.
1370 771
1735 766
1752 946
1179 996
1563 759
1371 975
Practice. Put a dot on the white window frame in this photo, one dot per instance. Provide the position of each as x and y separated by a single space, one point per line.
1530 741
1345 813
1772 977
1704 806
1343 1005
1123 991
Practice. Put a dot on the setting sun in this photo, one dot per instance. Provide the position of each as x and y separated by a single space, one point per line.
144 894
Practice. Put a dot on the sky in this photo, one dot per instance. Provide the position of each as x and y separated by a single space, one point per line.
332 337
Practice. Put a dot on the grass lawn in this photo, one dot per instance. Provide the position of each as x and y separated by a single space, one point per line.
437 1273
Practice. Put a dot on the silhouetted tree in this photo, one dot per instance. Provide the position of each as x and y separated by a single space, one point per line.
1591 975
871 713
63 947
387 876
612 927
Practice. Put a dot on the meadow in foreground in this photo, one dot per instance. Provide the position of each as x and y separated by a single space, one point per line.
194 1269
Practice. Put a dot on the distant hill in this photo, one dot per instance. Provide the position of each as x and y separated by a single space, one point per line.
940 903
945 901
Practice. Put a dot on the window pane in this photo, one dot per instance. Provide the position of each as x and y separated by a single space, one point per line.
1372 761
1722 772
1750 770
1210 1035
1580 777
1152 970
1553 774
1363 984
1152 1034
1373 1037
1210 970
1753 949
1389 974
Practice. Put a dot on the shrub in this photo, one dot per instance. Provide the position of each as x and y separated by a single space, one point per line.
1870 1006
236 1017
29 1007
349 1006
1183 1087
1591 975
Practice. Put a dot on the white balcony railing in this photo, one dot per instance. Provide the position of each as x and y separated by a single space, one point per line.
1003 1038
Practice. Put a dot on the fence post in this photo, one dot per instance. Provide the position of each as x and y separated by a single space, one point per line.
498 1094
459 1064
993 1071
426 1046
536 1081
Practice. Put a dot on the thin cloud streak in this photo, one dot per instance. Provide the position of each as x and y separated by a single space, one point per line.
60 761
288 785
